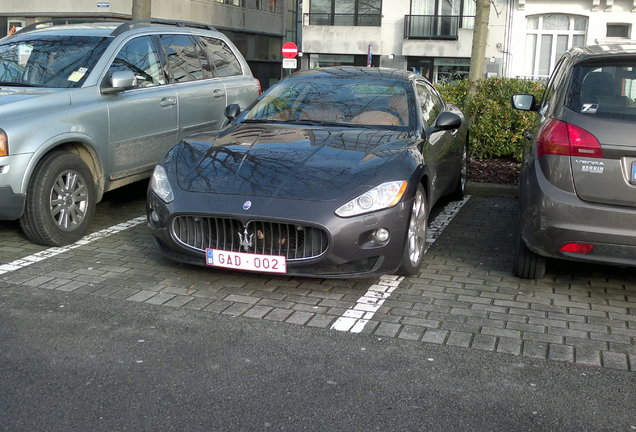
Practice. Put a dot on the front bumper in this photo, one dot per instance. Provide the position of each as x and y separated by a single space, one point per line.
552 217
350 251
11 203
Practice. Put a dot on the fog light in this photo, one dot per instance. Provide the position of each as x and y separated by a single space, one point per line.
382 235
580 248
154 217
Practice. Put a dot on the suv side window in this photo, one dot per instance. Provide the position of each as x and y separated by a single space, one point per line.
555 82
185 60
140 56
430 103
223 62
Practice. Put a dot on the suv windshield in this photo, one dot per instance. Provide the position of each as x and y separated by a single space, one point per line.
52 61
604 90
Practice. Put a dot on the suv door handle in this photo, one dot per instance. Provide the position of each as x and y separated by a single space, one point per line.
217 93
167 101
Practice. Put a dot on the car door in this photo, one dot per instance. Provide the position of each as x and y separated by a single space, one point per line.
142 120
201 95
241 88
439 153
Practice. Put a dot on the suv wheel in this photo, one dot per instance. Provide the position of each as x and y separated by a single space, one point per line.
527 264
60 200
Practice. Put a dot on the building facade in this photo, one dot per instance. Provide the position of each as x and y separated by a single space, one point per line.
257 27
539 31
434 37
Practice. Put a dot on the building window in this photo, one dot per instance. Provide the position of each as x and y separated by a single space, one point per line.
548 37
618 31
231 2
345 12
439 19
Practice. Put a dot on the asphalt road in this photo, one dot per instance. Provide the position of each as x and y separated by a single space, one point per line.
88 363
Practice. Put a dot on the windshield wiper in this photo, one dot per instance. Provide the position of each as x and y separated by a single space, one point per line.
320 123
16 84
258 121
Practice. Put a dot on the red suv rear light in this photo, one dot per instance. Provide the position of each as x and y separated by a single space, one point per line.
258 84
561 138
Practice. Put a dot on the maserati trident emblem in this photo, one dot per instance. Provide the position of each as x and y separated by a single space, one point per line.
245 239
247 205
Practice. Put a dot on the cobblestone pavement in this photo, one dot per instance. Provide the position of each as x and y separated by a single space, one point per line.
465 294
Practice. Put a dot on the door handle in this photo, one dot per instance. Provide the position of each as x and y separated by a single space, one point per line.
168 101
218 93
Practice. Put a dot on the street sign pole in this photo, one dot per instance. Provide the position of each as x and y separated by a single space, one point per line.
290 51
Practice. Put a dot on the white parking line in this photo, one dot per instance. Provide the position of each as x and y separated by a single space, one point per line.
53 251
356 318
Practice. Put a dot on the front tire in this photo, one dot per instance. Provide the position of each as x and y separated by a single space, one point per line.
415 244
527 264
60 200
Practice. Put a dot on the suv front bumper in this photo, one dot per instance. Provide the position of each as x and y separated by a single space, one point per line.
11 203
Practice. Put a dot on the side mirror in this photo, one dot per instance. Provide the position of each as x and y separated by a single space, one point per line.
445 121
232 111
524 102
119 81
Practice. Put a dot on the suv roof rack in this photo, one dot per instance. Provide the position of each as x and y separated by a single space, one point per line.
147 22
126 24
64 21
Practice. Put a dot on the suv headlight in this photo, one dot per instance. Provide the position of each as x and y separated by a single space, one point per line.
4 143
160 185
380 197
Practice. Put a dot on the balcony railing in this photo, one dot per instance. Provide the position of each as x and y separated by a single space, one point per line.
329 19
444 27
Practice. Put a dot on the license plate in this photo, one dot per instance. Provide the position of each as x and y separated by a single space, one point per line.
246 261
633 179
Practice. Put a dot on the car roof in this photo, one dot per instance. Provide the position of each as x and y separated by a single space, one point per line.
358 72
614 50
104 28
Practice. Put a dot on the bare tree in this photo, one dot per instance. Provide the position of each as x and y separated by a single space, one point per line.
141 9
478 53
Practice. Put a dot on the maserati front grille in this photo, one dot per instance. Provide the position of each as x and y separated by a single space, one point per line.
295 242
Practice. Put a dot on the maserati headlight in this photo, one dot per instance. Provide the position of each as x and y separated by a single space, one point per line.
159 184
380 197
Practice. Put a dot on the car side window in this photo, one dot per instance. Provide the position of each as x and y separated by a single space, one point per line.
185 59
140 56
430 103
223 62
555 82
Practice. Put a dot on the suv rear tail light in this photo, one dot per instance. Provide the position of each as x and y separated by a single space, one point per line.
561 138
580 248
258 85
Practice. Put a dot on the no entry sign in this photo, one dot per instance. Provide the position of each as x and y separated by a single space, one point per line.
290 50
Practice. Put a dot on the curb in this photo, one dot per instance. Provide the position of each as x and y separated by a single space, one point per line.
492 189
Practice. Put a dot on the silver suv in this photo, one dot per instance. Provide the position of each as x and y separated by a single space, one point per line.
88 107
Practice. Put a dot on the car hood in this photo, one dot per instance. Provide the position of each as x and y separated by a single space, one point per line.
10 95
292 162
18 104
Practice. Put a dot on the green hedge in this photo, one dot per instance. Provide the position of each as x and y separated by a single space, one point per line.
495 127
